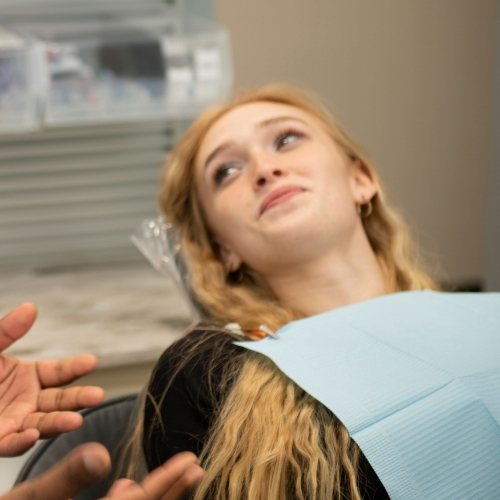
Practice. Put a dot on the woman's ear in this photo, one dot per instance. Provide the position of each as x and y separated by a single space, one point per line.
363 186
229 259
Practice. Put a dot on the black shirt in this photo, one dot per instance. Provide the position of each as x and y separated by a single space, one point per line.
192 368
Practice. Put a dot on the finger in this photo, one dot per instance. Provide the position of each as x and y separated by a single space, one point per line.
53 373
120 486
17 443
83 466
16 324
71 398
163 479
171 481
187 482
50 424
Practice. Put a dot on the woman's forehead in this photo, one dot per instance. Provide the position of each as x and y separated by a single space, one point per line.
255 111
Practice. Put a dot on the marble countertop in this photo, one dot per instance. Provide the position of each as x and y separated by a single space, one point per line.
125 314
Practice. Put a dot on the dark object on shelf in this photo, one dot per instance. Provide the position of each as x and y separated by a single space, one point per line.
140 59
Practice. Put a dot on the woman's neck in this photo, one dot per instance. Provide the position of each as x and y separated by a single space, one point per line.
329 282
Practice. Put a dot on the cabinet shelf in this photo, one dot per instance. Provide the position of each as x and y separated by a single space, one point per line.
110 68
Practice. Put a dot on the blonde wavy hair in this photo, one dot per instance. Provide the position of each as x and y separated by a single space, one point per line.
270 439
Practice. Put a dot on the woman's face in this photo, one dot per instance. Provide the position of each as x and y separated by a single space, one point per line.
275 188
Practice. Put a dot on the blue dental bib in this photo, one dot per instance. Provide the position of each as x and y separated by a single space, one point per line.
415 378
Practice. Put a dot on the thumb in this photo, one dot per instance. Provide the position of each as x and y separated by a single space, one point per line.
16 323
83 466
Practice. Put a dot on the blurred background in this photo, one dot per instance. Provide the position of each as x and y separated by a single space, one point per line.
85 122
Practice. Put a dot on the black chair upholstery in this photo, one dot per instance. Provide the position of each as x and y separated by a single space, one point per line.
108 424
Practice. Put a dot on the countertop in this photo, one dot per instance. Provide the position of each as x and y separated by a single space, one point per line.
123 313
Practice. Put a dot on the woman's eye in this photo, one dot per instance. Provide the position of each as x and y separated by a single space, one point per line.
287 137
223 172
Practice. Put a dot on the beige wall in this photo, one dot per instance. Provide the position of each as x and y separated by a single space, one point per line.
411 80
493 246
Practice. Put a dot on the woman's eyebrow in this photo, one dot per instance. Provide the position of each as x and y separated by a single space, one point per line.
277 119
216 152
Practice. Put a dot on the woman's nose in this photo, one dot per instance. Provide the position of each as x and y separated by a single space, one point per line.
266 169
266 177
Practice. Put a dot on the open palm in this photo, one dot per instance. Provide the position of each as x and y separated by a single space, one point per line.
32 403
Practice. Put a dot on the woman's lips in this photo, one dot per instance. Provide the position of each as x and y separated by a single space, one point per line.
278 196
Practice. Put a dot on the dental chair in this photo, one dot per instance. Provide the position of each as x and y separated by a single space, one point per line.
109 424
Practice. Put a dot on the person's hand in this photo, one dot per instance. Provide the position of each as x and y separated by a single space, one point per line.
83 466
171 481
32 405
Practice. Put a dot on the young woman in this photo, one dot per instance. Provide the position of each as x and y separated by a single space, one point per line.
280 215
